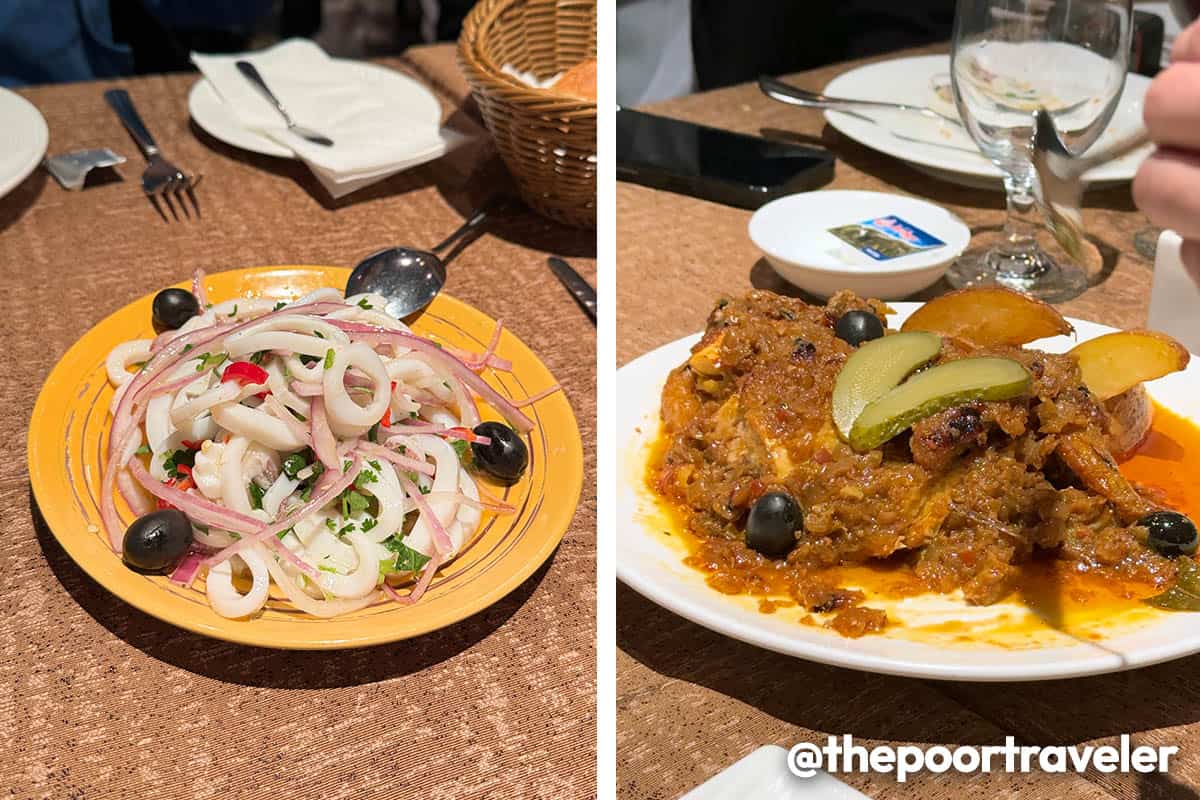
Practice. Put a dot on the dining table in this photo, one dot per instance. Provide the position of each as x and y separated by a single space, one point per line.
691 702
99 700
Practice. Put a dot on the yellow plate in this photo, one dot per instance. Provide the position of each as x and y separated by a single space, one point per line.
73 409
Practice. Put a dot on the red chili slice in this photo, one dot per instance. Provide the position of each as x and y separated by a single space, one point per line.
246 374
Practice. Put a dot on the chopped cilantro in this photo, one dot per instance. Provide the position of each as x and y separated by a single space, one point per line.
279 305
329 358
365 477
329 523
144 450
306 359
375 465
425 489
362 303
306 495
256 495
177 458
349 526
412 415
284 533
407 559
210 360
325 568
318 334
293 464
259 357
368 523
187 347
373 434
207 306
461 447
234 312
353 503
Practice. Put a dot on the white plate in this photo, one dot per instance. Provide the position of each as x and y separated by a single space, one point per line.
216 118
793 232
911 80
764 773
23 138
651 563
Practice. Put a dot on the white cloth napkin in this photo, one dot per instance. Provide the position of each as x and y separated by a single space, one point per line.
1174 294
372 138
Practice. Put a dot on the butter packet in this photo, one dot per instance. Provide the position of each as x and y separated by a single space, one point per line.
885 238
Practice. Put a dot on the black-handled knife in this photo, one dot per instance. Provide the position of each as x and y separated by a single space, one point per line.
583 293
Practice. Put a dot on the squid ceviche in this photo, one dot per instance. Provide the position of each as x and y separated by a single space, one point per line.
319 445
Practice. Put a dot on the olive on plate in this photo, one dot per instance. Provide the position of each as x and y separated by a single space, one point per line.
505 455
771 527
172 308
1170 533
856 327
156 542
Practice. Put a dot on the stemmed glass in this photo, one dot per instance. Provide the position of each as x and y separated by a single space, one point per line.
1009 58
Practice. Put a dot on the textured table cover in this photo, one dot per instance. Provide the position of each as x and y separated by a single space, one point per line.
98 700
691 702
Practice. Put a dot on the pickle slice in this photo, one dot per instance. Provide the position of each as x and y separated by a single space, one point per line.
1185 594
944 386
874 369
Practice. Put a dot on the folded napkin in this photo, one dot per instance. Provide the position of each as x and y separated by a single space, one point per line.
372 138
1174 294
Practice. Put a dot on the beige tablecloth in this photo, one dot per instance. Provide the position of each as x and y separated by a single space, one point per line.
98 700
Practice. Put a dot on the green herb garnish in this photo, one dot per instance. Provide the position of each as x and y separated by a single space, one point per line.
256 495
179 458
329 358
362 303
210 360
144 450
407 559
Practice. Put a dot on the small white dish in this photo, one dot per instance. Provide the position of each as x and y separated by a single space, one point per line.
217 119
23 138
946 151
651 563
764 773
793 232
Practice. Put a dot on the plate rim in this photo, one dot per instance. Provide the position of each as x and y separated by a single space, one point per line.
269 147
962 176
243 631
835 652
41 136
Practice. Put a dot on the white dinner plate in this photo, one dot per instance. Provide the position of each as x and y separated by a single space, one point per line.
23 138
217 119
956 158
652 564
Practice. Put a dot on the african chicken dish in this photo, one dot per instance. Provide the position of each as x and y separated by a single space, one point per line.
797 438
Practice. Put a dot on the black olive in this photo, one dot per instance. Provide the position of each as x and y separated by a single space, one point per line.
1171 534
505 456
771 528
155 542
856 327
173 307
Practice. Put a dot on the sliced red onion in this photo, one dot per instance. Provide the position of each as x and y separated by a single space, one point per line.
441 539
133 495
542 395
440 357
185 573
419 590
324 492
288 418
324 444
411 464
307 389
198 508
198 287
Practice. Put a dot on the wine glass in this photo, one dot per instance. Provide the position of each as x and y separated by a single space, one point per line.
1010 58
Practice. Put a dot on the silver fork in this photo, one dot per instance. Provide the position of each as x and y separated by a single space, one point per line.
161 178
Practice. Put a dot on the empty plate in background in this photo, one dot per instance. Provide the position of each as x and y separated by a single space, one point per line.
23 139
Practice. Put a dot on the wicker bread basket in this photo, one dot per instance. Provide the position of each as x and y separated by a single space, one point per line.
547 140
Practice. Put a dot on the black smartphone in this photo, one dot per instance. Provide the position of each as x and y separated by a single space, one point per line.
712 164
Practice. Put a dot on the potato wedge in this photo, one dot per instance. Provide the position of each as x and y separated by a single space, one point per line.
988 317
1116 362
1130 415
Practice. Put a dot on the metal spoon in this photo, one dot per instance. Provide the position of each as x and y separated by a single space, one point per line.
1060 176
252 75
407 277
785 93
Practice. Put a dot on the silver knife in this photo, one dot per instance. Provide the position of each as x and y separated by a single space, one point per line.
583 293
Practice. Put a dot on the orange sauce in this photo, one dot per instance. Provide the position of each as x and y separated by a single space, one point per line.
1057 596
